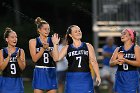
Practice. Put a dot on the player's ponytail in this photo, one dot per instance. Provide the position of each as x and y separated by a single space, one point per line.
135 37
68 38
39 22
7 31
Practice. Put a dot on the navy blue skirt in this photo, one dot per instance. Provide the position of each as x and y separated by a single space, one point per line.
126 82
12 85
44 79
79 82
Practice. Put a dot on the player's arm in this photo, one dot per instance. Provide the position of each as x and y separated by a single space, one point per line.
114 61
3 62
60 55
137 55
57 56
94 63
55 52
21 59
32 47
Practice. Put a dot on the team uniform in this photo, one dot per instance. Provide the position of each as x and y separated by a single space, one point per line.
139 80
11 80
45 69
78 78
0 80
127 76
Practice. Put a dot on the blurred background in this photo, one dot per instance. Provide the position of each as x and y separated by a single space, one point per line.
98 20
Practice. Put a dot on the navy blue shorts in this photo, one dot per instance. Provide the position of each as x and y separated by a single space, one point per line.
126 82
0 83
12 85
79 82
44 79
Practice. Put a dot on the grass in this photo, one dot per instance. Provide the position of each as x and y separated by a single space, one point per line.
28 87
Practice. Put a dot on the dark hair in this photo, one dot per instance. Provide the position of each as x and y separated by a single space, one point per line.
7 31
39 22
68 38
135 38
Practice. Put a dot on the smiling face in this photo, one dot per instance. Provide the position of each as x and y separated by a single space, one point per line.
75 33
44 30
125 36
12 38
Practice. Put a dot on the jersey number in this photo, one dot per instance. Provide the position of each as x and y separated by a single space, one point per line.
79 61
13 68
46 57
125 66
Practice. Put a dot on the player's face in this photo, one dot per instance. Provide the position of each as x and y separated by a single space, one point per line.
44 30
76 33
12 39
125 36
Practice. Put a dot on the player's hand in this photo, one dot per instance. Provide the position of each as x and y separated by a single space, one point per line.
121 61
120 55
98 81
18 53
45 46
55 39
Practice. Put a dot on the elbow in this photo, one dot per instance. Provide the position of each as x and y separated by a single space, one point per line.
34 60
22 68
138 65
110 64
1 68
56 59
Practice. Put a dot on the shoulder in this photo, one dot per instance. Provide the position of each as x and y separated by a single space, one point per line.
22 50
32 41
1 51
137 47
117 49
89 46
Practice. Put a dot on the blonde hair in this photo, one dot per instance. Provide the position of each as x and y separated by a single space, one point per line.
7 31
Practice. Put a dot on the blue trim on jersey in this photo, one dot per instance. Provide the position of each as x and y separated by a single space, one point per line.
12 85
82 43
126 82
48 41
128 49
79 82
44 79
39 40
5 49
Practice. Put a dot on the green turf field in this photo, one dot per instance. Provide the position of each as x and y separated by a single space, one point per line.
28 87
